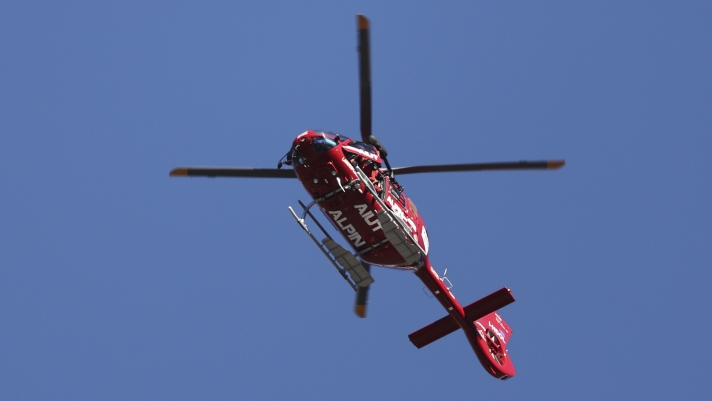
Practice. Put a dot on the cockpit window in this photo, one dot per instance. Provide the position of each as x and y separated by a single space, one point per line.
363 146
323 144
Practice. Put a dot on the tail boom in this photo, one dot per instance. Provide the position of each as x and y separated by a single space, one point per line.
486 331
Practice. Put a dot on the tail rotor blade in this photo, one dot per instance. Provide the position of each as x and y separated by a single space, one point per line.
362 296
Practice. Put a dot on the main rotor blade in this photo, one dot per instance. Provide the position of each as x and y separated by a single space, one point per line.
520 165
362 296
232 172
364 68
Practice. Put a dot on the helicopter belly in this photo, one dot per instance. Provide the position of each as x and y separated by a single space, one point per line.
356 218
352 202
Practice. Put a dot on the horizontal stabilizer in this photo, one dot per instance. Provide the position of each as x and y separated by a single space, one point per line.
473 311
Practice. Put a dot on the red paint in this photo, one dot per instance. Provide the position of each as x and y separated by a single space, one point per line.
353 207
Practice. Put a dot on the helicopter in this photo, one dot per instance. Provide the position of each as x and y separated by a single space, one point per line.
355 187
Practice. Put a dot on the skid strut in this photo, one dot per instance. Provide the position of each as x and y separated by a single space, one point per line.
343 260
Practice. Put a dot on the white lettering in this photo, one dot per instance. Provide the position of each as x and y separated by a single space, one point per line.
426 241
497 332
354 236
357 239
369 217
361 152
346 162
399 212
349 229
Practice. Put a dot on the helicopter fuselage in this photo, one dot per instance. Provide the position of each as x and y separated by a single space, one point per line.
326 163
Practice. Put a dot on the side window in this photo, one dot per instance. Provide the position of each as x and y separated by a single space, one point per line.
322 145
364 146
296 157
396 194
413 209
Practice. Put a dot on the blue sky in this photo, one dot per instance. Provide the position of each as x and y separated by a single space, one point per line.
117 282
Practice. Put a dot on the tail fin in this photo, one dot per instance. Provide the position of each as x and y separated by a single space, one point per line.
491 337
491 345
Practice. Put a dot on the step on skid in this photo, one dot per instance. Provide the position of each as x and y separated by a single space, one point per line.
348 261
335 253
409 251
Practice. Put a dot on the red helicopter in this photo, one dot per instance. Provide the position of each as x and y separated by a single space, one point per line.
356 189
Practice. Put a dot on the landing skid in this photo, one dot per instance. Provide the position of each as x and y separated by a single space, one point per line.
357 275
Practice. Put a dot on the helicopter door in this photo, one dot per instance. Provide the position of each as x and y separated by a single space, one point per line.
383 183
